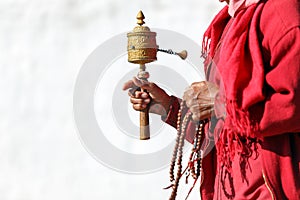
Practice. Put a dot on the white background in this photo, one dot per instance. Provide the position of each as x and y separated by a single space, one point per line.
43 44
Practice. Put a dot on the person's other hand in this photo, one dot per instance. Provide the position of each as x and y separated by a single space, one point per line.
156 98
199 98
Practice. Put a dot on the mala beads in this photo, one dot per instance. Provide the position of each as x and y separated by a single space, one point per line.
195 159
173 161
178 152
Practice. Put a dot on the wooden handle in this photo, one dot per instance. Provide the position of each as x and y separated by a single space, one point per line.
144 123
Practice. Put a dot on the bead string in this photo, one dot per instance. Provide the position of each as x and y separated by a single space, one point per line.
195 159
179 154
173 161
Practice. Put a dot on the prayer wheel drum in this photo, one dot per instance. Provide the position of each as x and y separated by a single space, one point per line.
142 46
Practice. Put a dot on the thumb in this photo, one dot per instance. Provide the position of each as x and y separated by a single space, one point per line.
143 84
129 84
151 87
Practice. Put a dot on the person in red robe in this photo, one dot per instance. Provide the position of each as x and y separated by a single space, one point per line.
251 99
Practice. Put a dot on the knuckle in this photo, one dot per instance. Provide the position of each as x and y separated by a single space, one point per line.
195 117
131 100
146 101
195 83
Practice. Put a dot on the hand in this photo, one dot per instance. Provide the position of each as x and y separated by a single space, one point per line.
156 98
199 98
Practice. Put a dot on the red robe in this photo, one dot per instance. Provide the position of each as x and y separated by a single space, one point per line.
273 172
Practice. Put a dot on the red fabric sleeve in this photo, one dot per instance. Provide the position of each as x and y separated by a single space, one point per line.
171 118
281 112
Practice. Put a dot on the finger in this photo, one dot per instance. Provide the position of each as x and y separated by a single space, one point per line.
206 105
141 95
195 118
140 101
201 108
205 115
188 94
199 88
133 90
128 84
198 84
195 108
134 83
190 102
198 109
139 82
151 87
202 115
139 107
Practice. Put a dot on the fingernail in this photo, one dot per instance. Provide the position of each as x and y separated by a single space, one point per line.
147 100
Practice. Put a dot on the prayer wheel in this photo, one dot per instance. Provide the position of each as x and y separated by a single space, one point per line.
142 49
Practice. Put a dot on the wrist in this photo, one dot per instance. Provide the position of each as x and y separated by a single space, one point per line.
167 104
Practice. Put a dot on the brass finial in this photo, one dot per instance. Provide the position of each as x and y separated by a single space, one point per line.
140 18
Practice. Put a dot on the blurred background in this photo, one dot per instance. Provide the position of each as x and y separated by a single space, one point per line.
43 44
